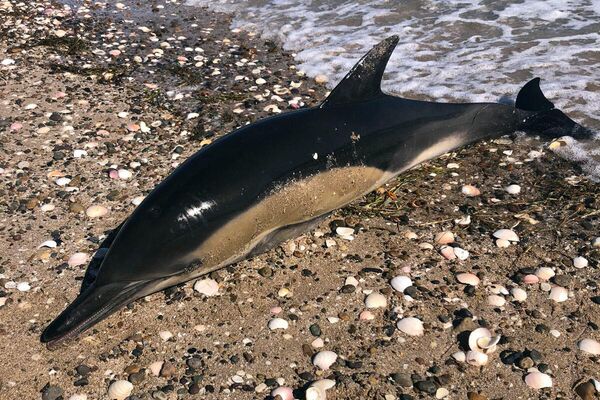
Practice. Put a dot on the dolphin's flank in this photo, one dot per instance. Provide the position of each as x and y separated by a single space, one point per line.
272 180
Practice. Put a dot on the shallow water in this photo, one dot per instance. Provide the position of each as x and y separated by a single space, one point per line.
471 50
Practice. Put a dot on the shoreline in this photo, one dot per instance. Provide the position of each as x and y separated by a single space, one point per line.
99 105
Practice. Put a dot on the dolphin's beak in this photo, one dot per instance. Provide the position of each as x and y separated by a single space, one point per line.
91 306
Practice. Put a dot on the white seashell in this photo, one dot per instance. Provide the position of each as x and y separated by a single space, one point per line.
119 390
165 335
445 237
330 242
468 279
513 189
155 367
555 333
496 300
502 243
317 389
544 273
23 287
63 181
518 294
477 358
208 287
580 262
124 174
537 380
597 385
448 252
559 294
48 243
463 221
317 343
48 207
351 281
96 211
375 300
506 234
78 153
137 200
498 289
461 254
283 392
596 242
278 323
78 397
441 393
400 283
482 340
470 191
366 316
426 246
589 346
545 287
324 359
460 356
345 232
78 259
411 326
333 320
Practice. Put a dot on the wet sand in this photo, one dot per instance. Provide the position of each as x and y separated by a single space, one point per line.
77 103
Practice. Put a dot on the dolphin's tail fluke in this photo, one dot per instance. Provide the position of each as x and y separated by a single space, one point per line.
91 306
542 118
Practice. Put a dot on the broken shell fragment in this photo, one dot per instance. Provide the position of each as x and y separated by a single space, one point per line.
283 393
278 323
324 359
477 358
590 346
538 380
411 326
506 234
482 340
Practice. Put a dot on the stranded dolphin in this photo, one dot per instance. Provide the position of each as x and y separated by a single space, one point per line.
272 180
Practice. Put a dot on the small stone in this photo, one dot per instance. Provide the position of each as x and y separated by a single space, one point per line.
427 386
402 379
580 262
96 211
52 392
586 390
168 370
315 330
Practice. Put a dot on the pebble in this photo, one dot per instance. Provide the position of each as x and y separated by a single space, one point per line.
165 335
586 390
207 287
23 287
402 379
470 191
513 189
96 211
50 392
580 262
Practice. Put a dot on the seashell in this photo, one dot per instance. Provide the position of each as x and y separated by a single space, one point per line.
48 207
589 346
448 252
400 283
375 300
78 397
208 287
345 232
317 390
119 390
596 385
544 273
506 234
411 235
411 326
481 340
324 359
460 356
124 174
538 380
78 259
62 181
284 292
468 279
477 358
502 243
317 343
596 242
555 333
513 189
518 294
278 323
441 393
559 294
461 254
283 393
425 246
531 279
96 211
137 200
155 367
276 310
351 281
496 300
165 335
580 262
445 237
470 191
23 286
498 289
366 316
48 243
463 221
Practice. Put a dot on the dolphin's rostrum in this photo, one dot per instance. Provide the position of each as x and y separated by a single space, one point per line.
270 181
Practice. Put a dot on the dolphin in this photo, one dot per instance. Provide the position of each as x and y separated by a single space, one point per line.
274 179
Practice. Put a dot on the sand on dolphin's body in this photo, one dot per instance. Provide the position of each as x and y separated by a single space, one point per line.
71 108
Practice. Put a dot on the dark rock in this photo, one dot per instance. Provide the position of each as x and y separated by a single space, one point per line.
50 392
315 330
427 386
401 379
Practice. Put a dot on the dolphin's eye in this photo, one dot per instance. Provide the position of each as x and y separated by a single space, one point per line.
154 212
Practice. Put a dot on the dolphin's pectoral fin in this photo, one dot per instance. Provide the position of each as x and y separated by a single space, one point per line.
91 306
94 266
363 82
284 233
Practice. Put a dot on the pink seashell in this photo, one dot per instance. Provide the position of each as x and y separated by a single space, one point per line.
366 316
113 174
276 310
15 126
78 259
448 253
284 392
531 279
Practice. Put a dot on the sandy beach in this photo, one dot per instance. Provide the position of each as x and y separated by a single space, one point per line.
101 101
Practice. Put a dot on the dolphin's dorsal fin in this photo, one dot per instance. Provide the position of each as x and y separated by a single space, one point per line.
531 98
363 82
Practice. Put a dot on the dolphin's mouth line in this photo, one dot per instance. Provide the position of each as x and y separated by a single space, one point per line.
82 326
